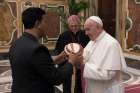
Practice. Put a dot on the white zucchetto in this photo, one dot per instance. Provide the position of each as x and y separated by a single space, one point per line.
96 19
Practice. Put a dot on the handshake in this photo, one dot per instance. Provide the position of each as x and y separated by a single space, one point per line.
74 52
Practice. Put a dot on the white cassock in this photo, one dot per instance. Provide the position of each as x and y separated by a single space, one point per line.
104 62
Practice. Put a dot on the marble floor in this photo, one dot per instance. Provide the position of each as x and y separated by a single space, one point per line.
130 77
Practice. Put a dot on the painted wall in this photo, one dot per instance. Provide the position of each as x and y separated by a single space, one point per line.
11 25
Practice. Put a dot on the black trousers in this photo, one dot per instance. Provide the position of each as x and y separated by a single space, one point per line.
78 83
67 83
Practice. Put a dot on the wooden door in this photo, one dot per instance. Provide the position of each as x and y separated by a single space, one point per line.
107 12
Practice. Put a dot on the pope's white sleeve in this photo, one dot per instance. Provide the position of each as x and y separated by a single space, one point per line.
92 72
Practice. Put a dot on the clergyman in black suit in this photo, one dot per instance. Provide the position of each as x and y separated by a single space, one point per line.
73 35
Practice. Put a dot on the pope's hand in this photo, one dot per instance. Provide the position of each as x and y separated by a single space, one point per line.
75 59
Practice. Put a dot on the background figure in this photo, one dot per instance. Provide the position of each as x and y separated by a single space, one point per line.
33 70
73 35
103 60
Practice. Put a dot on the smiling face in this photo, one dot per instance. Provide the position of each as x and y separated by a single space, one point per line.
92 29
74 26
74 23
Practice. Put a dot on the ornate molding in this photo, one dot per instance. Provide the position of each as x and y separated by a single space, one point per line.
137 1
7 24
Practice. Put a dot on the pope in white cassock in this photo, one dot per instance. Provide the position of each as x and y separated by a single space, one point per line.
103 60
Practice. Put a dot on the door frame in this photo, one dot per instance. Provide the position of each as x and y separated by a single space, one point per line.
122 13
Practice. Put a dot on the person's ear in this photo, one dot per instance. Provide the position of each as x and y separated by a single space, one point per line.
37 24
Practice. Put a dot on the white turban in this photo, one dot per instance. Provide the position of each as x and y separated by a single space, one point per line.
96 19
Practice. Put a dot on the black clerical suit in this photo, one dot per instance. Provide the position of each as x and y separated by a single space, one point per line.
33 70
64 39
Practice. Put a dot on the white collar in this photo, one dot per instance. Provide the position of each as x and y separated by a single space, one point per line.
102 34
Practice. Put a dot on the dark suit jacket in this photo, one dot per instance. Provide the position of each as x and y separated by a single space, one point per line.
33 70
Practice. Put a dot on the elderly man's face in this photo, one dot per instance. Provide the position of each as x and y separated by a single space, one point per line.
91 29
74 26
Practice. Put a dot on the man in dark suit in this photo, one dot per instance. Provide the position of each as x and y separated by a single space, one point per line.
33 69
